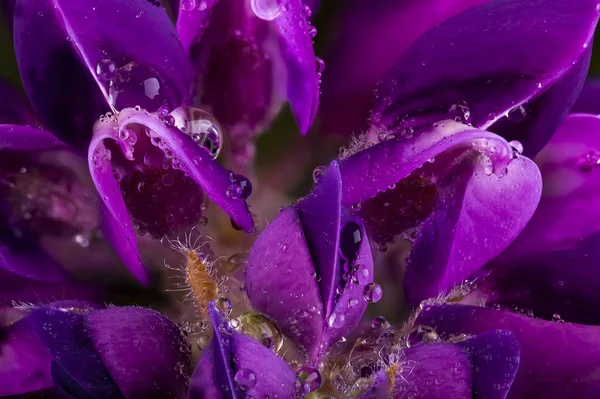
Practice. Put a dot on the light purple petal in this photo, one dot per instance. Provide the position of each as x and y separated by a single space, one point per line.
519 52
123 336
59 43
370 37
558 360
281 281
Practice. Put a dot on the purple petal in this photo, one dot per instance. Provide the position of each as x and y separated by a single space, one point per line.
273 375
369 41
59 72
589 99
122 337
570 181
455 238
24 361
31 264
281 281
116 222
495 356
533 71
14 108
434 371
301 65
558 360
25 138
77 367
208 173
321 217
192 20
379 389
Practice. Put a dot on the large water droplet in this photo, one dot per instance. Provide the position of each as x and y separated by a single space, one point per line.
137 85
245 379
421 335
106 69
337 320
266 9
201 126
262 328
373 293
240 185
350 240
311 377
517 114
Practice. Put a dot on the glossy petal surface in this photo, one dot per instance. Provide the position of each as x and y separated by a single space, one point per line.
59 73
520 52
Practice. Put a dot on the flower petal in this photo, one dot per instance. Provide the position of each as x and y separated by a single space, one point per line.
379 389
558 360
31 264
76 367
570 188
301 65
587 102
520 51
495 356
369 41
462 237
14 108
281 281
24 361
116 222
208 173
433 371
122 336
59 44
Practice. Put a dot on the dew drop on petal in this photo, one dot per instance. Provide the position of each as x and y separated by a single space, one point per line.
245 379
266 9
337 320
373 293
516 145
380 323
201 126
320 65
262 328
106 69
318 174
421 335
517 114
311 377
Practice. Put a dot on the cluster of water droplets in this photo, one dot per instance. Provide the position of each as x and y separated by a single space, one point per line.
192 5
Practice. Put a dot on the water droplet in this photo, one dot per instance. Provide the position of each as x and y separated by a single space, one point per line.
266 9
312 31
350 240
243 183
82 239
245 379
517 114
380 323
311 377
357 207
556 317
106 69
337 320
588 161
320 65
262 328
373 293
516 145
421 335
318 173
234 191
201 126
224 305
306 11
189 5
352 303
137 85
360 274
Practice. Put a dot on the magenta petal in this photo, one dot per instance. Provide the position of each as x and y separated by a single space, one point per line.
463 232
197 162
116 223
191 21
570 189
59 43
558 360
281 281
25 138
122 337
534 46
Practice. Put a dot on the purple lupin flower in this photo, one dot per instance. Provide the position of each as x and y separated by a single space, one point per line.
311 269
250 57
155 160
483 366
237 366
115 352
